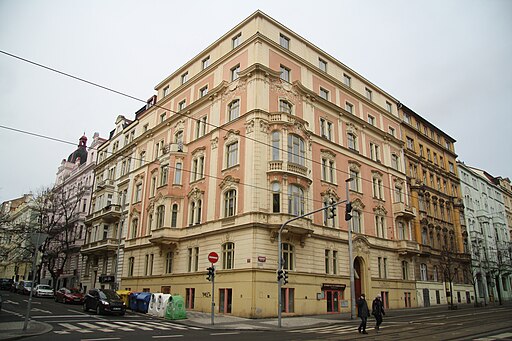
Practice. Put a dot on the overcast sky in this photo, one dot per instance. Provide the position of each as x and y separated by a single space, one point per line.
450 61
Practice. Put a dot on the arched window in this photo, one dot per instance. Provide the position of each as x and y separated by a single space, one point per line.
276 145
228 255
288 258
230 203
276 197
174 215
295 200
160 216
296 150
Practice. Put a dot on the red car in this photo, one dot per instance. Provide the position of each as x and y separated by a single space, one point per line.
66 295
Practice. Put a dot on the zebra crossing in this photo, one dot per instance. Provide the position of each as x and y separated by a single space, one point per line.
502 336
333 330
117 326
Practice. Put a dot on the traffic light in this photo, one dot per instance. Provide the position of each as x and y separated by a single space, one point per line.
348 209
332 209
285 277
279 275
211 273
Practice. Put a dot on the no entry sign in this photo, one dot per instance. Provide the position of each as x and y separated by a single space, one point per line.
213 257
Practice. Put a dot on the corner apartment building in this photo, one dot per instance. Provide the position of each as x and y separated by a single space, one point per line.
439 226
258 128
489 238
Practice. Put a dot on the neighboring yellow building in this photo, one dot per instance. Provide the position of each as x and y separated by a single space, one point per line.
258 128
439 226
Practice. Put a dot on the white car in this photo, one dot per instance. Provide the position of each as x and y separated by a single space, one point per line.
42 290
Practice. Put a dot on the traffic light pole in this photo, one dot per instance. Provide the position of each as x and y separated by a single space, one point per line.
280 253
213 295
350 259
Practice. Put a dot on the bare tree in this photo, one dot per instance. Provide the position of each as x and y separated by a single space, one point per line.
450 263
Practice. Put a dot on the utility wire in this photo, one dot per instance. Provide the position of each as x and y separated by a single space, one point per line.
172 111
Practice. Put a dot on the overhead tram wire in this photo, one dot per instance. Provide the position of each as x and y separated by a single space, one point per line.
178 113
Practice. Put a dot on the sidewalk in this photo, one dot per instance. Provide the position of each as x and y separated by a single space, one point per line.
13 330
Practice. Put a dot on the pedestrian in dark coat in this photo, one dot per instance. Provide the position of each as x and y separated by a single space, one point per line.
363 312
378 311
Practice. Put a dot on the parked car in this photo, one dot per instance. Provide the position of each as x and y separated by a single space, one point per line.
42 290
6 283
0 302
24 287
66 295
14 287
104 301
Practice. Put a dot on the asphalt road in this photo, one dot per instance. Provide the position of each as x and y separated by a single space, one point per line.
70 323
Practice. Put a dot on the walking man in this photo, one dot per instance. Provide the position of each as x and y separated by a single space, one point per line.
378 311
363 312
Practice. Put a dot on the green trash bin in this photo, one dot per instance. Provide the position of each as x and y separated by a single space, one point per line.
175 309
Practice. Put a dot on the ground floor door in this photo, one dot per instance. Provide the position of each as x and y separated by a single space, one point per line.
225 300
426 298
358 278
189 298
333 298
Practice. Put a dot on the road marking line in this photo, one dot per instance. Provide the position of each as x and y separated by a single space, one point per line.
55 316
165 336
74 328
110 325
154 325
175 326
102 339
89 325
228 333
134 326
494 337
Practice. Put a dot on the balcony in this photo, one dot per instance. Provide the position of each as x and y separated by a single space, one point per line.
280 166
109 214
425 250
400 209
108 183
166 236
407 247
104 245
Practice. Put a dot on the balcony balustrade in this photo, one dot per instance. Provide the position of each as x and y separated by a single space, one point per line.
103 245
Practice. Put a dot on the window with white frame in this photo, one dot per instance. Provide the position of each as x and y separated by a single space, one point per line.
395 162
178 173
276 197
288 256
228 256
398 193
232 154
284 41
324 93
131 266
138 192
197 168
389 107
374 152
160 216
295 200
369 94
164 175
347 80
196 207
327 261
405 270
234 109
326 128
182 104
349 107
174 215
355 176
166 91
142 158
328 168
380 226
234 72
236 40
276 145
402 233
352 141
201 126
162 117
322 64
378 188
178 139
205 62
203 91
423 272
285 73
356 221
296 150
184 78
285 106
371 120
392 131
135 226
230 203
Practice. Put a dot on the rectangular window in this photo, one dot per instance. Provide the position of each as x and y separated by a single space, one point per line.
166 91
177 173
232 155
201 127
326 129
347 80
335 262
327 260
138 192
379 266
164 175
324 93
236 40
288 297
234 72
285 73
369 94
349 107
371 120
189 260
285 106
284 41
385 269
205 62
168 262
322 64
203 91
410 143
405 270
389 107
162 117
407 118
182 104
234 109
391 131
184 78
